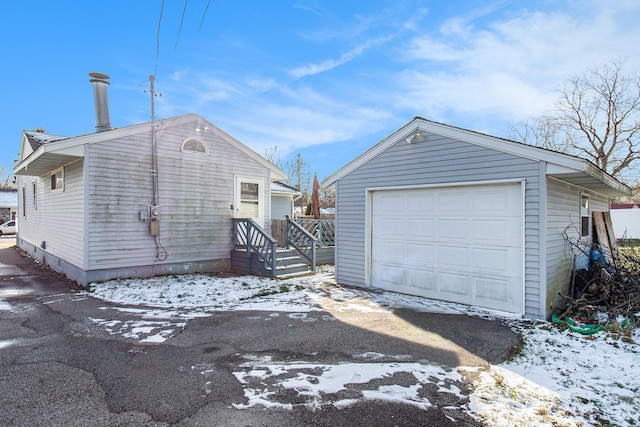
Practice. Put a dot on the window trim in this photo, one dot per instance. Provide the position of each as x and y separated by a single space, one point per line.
585 214
193 138
34 188
53 176
24 201
262 196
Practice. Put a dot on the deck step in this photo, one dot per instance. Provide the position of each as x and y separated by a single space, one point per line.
295 275
288 263
284 270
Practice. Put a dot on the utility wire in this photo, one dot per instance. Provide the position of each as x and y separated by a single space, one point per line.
155 70
184 11
204 14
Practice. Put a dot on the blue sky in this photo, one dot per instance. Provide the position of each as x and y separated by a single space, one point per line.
327 79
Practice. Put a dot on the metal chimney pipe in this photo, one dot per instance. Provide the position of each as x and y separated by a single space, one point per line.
100 84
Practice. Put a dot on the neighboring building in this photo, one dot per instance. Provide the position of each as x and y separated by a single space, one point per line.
8 204
626 220
447 213
142 200
283 197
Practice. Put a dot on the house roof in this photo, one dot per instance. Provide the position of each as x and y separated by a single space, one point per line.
36 139
285 189
625 205
52 151
565 167
9 198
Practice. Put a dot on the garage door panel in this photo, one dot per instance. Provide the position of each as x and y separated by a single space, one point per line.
419 228
419 204
389 203
420 280
452 257
453 229
452 201
391 226
389 274
391 251
498 294
490 231
489 261
457 285
462 244
492 202
420 255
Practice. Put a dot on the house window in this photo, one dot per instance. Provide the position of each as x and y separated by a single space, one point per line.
57 180
585 218
24 202
249 200
34 186
194 145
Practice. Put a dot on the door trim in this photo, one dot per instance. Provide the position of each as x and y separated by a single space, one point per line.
238 180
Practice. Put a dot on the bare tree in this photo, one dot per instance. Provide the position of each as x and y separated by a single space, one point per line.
597 117
273 155
6 179
297 169
327 198
299 176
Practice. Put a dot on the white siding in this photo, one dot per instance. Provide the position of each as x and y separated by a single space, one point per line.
196 194
626 223
436 160
281 206
57 218
26 148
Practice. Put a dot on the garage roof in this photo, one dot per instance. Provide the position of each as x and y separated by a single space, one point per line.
565 167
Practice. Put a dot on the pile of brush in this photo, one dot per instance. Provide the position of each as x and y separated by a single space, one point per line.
606 292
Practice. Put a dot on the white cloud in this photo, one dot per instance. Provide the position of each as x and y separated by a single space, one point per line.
330 64
489 67
511 66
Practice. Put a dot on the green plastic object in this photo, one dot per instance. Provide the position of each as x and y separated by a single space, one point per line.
583 329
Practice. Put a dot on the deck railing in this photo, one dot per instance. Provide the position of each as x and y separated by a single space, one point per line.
324 230
301 240
247 234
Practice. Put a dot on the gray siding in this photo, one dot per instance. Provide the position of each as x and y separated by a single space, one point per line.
196 198
56 218
436 160
281 206
563 215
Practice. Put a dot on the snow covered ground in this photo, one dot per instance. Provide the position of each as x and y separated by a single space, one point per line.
559 378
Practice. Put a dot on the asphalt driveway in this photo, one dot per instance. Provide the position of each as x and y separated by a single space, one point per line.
60 366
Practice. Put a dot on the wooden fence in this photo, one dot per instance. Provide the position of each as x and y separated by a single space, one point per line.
323 230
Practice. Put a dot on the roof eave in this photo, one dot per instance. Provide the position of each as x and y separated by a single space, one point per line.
590 177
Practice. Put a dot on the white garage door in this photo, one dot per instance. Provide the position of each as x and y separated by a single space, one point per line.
462 244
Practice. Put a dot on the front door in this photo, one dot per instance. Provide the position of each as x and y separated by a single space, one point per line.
249 199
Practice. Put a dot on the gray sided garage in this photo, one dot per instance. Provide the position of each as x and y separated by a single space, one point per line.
450 214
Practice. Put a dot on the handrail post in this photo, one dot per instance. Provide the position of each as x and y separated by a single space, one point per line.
273 259
286 232
313 256
320 233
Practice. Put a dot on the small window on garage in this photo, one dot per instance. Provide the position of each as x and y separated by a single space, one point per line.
585 217
57 180
194 145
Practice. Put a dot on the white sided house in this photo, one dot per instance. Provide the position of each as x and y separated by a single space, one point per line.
626 220
451 214
138 201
